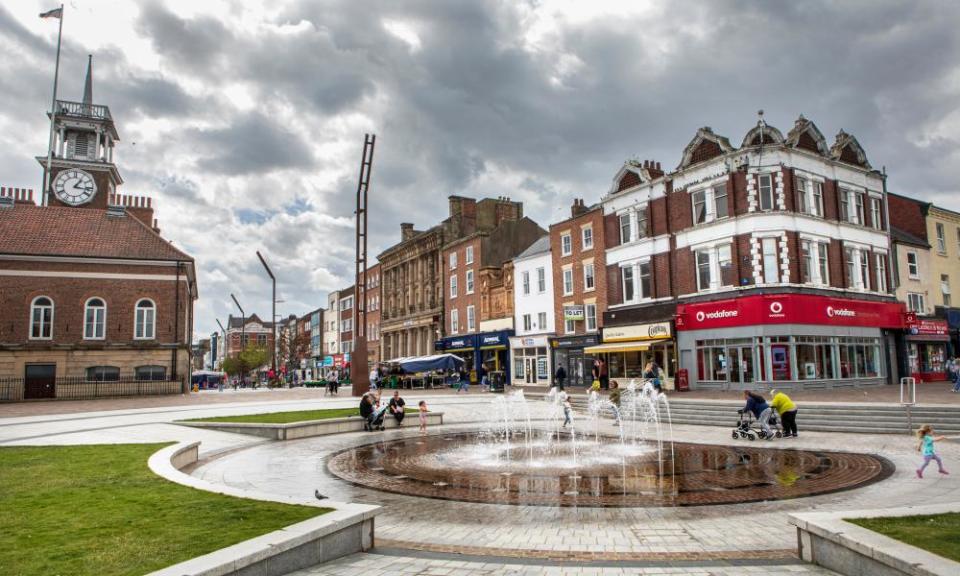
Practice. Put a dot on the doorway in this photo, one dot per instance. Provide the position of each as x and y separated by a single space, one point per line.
741 365
39 381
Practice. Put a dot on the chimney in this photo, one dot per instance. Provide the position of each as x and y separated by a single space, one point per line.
406 231
17 195
653 168
140 207
578 208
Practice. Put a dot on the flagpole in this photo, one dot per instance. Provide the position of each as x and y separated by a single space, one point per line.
53 117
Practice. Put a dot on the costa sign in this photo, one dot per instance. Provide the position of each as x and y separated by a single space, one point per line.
655 331
789 309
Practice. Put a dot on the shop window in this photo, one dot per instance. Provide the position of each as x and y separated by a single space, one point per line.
41 318
518 371
541 280
153 373
771 272
765 182
94 319
103 374
542 373
587 238
590 311
588 278
913 266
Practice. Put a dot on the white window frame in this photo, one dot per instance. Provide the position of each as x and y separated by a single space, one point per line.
810 195
453 260
913 268
527 323
915 303
769 192
100 322
876 213
471 318
567 281
881 271
941 238
769 258
454 321
710 197
589 278
566 244
468 256
569 326
46 325
152 323
525 282
590 315
586 237
469 281
453 286
541 280
541 321
713 254
628 275
626 228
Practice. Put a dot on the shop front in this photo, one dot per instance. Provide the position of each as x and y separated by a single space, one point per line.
792 341
927 343
569 352
530 356
489 349
628 349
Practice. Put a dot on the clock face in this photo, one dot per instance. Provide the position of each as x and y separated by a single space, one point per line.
74 187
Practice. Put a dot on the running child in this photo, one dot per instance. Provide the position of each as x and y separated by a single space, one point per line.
925 440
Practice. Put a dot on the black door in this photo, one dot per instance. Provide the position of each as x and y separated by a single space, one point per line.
40 381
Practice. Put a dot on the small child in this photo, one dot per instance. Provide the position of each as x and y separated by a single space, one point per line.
423 416
567 408
925 440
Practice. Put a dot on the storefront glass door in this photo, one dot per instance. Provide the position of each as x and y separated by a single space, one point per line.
741 364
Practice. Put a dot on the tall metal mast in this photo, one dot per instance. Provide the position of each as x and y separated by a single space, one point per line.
359 374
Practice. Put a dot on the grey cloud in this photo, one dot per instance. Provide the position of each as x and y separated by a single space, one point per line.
251 143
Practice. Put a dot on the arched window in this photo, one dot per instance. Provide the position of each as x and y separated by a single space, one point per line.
94 319
41 318
103 374
145 322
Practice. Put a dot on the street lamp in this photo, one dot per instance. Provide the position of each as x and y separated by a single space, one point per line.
273 312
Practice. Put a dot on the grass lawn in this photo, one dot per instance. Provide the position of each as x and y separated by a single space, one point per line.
100 510
288 417
939 533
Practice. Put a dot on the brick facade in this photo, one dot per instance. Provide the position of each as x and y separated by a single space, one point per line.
582 217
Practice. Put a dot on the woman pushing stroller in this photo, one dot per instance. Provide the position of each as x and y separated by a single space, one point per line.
757 405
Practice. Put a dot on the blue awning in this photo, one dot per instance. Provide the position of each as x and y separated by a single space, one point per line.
445 362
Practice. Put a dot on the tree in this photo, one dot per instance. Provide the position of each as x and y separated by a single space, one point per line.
248 359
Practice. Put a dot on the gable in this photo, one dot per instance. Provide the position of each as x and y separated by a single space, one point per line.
628 180
807 142
705 146
705 151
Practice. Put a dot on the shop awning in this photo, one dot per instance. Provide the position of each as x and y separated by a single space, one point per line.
617 347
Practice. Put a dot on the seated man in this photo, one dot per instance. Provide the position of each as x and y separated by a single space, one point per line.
396 406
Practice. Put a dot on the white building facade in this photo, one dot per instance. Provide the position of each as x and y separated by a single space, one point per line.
533 305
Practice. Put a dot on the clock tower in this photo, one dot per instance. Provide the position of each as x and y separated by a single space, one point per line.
82 170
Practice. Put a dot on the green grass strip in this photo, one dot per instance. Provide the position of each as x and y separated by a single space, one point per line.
288 417
939 533
100 510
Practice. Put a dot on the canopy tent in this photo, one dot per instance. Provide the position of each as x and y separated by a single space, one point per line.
412 364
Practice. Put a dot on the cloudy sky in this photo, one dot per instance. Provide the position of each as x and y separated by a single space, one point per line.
245 119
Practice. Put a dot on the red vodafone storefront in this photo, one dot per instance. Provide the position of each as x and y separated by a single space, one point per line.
927 340
788 340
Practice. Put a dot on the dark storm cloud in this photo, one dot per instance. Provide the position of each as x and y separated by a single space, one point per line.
250 143
194 44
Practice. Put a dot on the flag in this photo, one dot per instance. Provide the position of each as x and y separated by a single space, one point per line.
55 13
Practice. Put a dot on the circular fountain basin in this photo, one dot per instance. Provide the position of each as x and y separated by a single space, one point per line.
549 471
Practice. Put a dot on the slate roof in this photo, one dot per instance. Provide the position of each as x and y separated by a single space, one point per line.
541 246
28 229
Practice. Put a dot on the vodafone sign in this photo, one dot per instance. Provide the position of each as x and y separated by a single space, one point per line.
789 309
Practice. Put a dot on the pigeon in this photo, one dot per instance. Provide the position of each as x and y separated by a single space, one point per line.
318 495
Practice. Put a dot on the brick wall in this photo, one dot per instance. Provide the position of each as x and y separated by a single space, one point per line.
657 217
463 299
907 215
601 291
661 274
684 279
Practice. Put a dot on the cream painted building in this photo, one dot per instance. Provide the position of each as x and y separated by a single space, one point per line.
943 230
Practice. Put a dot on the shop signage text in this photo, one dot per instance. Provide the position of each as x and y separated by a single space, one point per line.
789 309
927 327
574 312
655 331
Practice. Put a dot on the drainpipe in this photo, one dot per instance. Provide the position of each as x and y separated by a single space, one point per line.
176 328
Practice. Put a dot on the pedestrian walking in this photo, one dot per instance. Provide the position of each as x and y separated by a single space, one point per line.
757 405
925 445
559 377
464 381
484 379
787 410
567 408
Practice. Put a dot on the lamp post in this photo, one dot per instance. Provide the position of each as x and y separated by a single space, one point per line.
223 332
273 313
243 328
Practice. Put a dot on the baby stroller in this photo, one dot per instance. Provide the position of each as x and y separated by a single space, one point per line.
749 428
375 422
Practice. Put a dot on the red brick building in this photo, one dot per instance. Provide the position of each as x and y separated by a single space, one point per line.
783 231
89 291
372 324
580 289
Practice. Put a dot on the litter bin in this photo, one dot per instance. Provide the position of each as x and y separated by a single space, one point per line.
497 380
683 380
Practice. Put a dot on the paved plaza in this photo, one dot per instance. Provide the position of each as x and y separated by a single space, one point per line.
417 535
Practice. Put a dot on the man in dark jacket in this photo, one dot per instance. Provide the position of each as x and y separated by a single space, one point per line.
559 377
396 406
